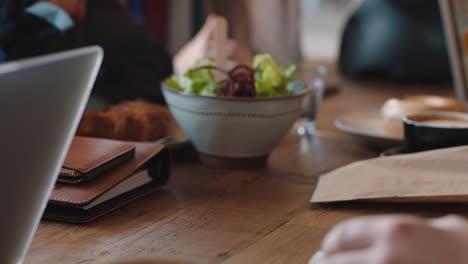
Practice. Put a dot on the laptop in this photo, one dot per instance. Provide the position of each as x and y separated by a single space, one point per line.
41 102
455 18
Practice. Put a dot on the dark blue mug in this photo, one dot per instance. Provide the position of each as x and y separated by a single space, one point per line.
434 130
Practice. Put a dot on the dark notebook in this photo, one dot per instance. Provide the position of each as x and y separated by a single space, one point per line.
146 171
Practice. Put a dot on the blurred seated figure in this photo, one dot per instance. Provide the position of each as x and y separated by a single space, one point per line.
134 64
398 40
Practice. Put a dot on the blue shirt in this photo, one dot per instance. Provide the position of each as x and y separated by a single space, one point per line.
53 14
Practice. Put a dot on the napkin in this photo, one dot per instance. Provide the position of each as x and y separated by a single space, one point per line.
430 176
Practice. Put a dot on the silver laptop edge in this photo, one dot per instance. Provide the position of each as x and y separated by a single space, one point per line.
41 103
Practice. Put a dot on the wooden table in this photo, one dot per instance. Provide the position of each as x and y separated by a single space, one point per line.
218 216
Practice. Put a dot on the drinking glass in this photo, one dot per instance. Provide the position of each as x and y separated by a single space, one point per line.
307 123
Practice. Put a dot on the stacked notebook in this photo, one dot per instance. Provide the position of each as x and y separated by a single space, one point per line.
100 175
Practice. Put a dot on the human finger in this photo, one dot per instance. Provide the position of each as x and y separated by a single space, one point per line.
207 30
362 232
239 53
350 257
449 222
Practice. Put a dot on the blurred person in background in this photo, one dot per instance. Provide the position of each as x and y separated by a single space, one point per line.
134 63
392 40
265 26
396 40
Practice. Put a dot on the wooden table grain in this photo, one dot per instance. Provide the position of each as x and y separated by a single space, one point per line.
209 215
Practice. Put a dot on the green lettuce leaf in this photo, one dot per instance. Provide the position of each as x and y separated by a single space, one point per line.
200 82
270 79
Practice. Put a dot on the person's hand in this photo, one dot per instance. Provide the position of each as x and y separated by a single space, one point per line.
397 240
75 8
201 47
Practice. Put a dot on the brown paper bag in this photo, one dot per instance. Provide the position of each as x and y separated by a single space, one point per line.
431 176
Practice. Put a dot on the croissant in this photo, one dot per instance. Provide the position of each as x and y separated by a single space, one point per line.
129 120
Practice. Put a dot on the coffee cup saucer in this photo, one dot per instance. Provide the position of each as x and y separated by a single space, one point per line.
365 126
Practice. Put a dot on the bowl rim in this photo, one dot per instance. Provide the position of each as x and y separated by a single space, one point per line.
243 99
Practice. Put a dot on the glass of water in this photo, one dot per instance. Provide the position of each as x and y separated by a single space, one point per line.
307 123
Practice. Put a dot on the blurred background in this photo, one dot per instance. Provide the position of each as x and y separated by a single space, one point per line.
392 40
317 24
322 25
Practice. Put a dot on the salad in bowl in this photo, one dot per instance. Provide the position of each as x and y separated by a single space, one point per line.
234 118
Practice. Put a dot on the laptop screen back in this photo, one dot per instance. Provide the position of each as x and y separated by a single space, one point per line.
41 102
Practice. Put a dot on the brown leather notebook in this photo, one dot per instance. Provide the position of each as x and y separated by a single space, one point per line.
90 157
80 203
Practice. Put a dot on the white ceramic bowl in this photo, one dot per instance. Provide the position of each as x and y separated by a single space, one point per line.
233 132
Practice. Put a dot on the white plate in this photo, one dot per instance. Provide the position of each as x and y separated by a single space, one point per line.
365 126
